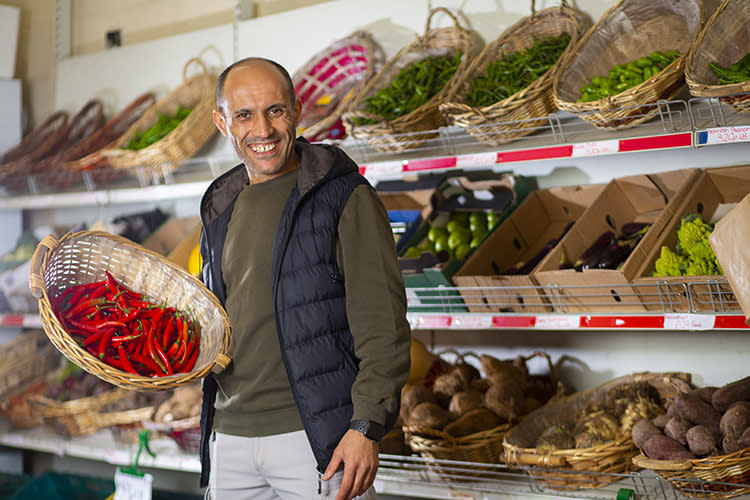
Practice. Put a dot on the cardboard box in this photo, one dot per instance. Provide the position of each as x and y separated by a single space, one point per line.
639 198
170 234
715 191
540 218
729 242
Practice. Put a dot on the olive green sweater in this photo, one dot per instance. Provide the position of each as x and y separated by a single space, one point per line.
254 397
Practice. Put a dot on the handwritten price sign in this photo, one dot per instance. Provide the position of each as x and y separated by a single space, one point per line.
724 135
596 148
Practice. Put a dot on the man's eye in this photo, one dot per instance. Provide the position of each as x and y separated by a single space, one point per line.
243 115
275 111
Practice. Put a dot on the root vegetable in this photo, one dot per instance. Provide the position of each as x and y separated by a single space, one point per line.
736 419
676 428
429 415
477 420
661 447
739 390
642 430
697 411
700 440
464 402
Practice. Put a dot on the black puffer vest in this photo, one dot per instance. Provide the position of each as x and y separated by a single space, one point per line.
309 302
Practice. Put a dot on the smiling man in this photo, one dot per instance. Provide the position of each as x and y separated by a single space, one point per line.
298 248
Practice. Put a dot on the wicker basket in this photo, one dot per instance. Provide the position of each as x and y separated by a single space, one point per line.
86 157
404 132
704 477
594 467
514 116
628 30
327 82
83 257
484 447
16 163
723 40
165 155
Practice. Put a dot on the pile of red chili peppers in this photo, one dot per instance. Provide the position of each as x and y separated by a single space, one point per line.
128 331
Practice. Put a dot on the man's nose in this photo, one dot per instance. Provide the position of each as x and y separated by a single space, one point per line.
262 126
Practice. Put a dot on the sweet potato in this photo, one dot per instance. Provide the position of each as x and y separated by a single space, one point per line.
505 371
463 402
445 386
697 411
477 420
467 373
412 395
700 440
730 443
735 419
642 430
660 420
744 439
506 400
661 447
429 415
739 390
705 393
676 428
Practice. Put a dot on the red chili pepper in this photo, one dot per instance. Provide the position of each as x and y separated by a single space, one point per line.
150 349
111 361
103 341
125 361
162 356
186 366
153 369
167 332
117 341
111 283
111 323
83 306
191 362
90 329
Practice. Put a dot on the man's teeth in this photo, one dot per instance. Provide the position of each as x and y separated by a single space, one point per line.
262 148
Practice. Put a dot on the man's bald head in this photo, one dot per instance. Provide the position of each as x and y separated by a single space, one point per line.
249 61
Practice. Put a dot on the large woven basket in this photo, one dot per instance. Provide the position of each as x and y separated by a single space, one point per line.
627 31
328 81
480 448
513 117
704 477
86 157
594 467
723 40
83 257
165 155
405 132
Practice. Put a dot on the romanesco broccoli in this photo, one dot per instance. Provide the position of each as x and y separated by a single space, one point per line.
693 254
669 263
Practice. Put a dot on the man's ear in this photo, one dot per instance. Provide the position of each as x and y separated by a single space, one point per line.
220 123
297 109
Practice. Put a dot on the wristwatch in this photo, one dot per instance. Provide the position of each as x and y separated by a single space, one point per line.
371 430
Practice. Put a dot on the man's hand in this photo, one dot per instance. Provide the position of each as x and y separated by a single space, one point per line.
360 458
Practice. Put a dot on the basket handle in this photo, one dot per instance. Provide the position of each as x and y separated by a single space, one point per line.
547 460
445 11
36 280
197 61
221 361
563 5
657 465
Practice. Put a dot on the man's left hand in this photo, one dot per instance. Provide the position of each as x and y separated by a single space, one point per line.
359 455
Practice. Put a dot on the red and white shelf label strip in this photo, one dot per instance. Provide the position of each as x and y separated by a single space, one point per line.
20 320
593 148
474 321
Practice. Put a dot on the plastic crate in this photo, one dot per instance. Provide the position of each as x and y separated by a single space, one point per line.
62 486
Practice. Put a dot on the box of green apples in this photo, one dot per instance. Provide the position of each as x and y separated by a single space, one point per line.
464 211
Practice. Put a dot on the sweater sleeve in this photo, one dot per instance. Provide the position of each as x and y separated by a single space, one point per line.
375 305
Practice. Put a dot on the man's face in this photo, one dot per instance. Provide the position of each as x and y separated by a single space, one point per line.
260 119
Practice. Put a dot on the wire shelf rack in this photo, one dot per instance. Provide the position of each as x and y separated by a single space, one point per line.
439 478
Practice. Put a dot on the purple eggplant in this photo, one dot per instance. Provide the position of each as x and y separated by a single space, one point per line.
615 256
593 254
631 228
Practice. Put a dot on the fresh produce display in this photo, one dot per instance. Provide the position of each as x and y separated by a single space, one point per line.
127 330
412 87
736 73
461 233
624 76
704 422
515 71
610 251
164 125
527 266
693 255
606 420
74 383
460 401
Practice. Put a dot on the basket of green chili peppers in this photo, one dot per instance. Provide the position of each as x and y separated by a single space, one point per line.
398 108
719 64
507 91
632 57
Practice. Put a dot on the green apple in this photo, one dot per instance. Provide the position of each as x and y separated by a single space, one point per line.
412 252
462 250
475 241
441 244
435 232
491 219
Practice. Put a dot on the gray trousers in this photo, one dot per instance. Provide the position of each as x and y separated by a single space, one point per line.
281 466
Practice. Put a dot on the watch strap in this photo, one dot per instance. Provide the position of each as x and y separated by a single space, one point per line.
372 430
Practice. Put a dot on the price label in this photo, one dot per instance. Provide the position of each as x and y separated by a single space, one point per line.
132 487
596 148
478 322
688 321
434 322
385 169
557 322
477 160
724 135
